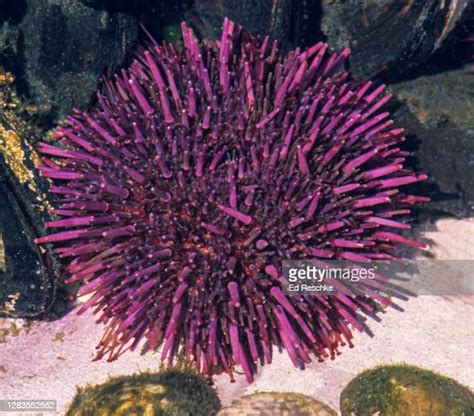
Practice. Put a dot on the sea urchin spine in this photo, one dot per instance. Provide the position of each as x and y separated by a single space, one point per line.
202 168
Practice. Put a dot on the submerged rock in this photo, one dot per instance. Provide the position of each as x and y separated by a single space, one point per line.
59 48
438 113
276 404
405 390
169 393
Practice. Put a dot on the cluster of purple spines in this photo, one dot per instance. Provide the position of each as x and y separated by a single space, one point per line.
200 169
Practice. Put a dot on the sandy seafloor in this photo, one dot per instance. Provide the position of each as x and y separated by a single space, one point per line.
50 359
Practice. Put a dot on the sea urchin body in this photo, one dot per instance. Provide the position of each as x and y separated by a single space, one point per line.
198 172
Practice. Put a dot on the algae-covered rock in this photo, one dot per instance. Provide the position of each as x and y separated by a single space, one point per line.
405 390
276 404
169 393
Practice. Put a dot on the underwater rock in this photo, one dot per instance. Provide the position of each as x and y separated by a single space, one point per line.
27 274
154 15
169 393
58 50
405 390
276 404
439 110
387 37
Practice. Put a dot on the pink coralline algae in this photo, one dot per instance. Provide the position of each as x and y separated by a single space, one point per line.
199 170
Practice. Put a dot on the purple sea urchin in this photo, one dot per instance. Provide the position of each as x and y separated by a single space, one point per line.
198 172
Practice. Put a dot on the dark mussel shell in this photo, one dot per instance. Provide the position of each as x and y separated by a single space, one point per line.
390 38
290 22
28 274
